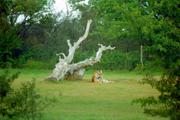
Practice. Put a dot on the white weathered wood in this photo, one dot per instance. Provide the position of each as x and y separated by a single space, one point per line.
75 46
64 68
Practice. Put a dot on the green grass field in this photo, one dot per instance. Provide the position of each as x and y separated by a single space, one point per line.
83 100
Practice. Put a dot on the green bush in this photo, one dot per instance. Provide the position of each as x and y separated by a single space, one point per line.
9 44
5 83
36 64
111 60
23 103
167 104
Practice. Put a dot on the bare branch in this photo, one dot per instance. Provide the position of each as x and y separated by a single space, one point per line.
64 56
90 61
69 44
73 48
82 38
101 49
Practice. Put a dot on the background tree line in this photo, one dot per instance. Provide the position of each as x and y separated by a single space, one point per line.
127 25
41 34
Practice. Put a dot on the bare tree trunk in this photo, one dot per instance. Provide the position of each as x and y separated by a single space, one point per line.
77 75
65 70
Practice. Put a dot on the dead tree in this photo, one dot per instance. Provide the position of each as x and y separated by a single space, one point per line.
64 69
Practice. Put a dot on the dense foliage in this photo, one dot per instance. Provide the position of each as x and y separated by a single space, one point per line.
22 103
16 19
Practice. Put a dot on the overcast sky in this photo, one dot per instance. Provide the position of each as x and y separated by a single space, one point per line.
60 5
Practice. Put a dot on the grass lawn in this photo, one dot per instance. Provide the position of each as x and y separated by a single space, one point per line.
83 100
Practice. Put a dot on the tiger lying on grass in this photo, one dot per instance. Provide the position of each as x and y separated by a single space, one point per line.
98 77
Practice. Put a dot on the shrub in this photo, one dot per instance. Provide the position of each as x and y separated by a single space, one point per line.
168 102
9 43
111 59
23 103
37 64
5 83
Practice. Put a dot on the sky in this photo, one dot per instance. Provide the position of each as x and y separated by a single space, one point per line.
61 5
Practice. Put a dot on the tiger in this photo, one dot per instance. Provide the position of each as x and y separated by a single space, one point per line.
97 77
